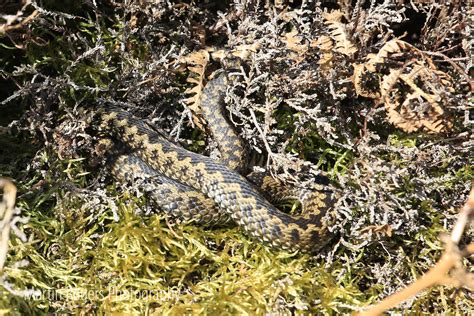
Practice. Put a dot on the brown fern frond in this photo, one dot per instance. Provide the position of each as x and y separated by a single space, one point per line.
391 47
293 43
339 33
416 102
197 63
325 44
241 51
366 83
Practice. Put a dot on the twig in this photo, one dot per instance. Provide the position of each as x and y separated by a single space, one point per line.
4 28
437 275
6 213
262 135
456 66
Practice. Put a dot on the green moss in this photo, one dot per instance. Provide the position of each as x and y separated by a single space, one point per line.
109 265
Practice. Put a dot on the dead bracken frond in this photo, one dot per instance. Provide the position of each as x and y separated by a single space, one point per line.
366 79
413 100
412 92
339 33
295 44
326 45
390 48
197 63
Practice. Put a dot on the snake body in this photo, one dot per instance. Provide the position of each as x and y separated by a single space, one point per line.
198 187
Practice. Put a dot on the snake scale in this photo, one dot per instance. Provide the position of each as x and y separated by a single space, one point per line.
195 187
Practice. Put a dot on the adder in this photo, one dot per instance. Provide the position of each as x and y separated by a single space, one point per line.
195 187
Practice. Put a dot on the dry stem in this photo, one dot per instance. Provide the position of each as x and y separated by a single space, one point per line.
4 28
6 213
438 274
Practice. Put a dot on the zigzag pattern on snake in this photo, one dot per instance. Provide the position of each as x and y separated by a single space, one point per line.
195 187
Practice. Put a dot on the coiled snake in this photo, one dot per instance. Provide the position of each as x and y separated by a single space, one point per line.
195 187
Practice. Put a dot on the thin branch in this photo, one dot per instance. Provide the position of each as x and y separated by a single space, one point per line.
437 275
6 214
4 28
456 66
262 135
